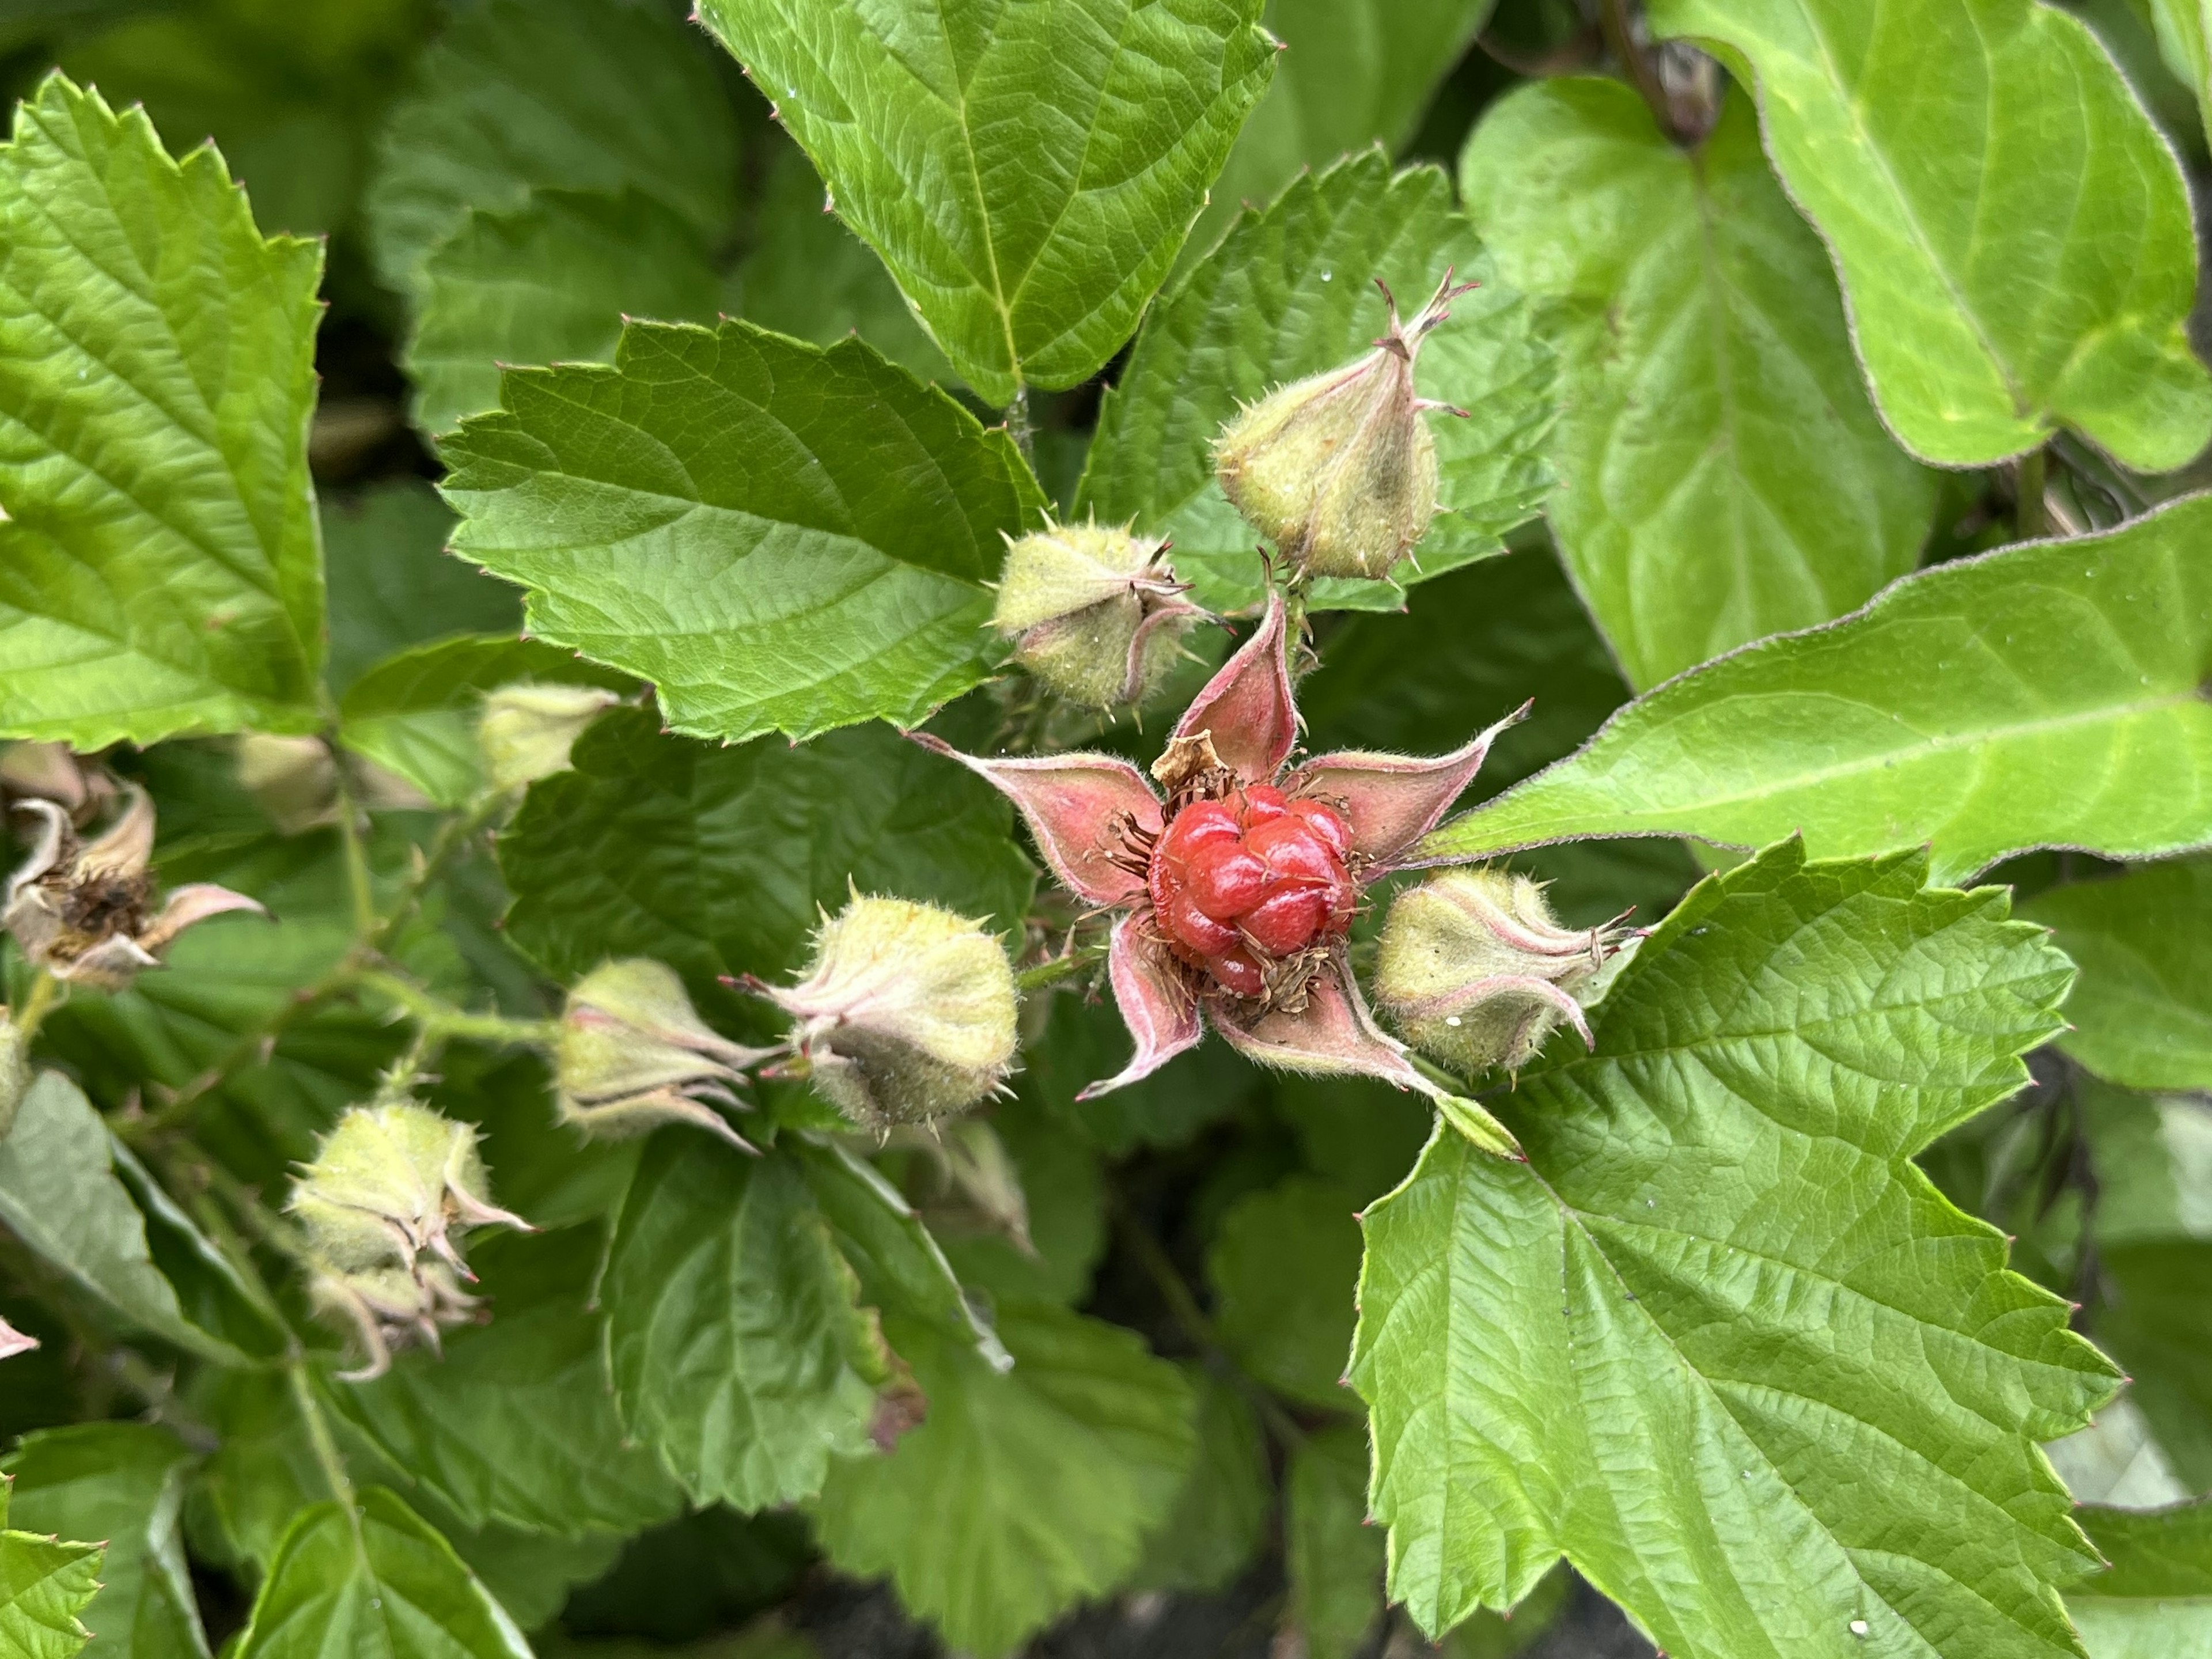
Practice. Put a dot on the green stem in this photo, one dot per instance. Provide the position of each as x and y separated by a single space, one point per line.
453 835
441 1021
44 993
1019 427
1620 36
359 884
1066 965
2030 522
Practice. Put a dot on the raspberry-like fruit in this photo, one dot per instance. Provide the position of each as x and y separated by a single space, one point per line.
1245 881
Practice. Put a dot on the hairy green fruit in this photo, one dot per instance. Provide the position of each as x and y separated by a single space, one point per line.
1094 613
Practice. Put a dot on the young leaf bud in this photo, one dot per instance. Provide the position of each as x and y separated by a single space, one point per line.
526 729
907 1015
83 911
633 1055
1338 470
1475 970
1096 614
390 1188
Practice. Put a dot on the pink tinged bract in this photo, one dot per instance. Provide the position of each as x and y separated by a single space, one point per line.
1334 1035
12 1341
1248 708
1392 800
1156 1003
1073 806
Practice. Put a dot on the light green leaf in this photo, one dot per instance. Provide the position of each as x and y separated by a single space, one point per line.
720 860
158 570
1718 1342
2142 1010
2046 694
958 1515
1284 1265
2182 43
392 585
1027 172
1289 293
516 1423
517 95
45 1584
415 714
123 1483
736 1347
810 277
1722 476
1334 1561
550 283
1923 142
2154 1601
781 539
1352 73
380 1583
60 1196
1220 1516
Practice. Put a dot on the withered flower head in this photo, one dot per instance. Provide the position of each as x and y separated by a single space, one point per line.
634 1054
84 911
1094 613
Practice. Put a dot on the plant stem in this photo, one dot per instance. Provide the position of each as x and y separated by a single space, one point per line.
452 836
441 1021
45 990
2030 522
1612 17
359 884
1066 965
1019 427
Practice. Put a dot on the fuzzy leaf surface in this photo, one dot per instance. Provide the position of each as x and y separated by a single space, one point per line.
1719 1341
1722 476
1028 172
718 860
953 1515
521 95
737 1348
516 1423
2142 1010
781 539
1290 293
2043 695
122 1483
383 1584
2154 1601
1923 141
158 567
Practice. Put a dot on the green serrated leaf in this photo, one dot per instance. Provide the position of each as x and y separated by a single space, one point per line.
378 1583
1352 73
121 1482
781 539
1283 1266
2046 694
2154 1601
1983 319
392 585
45 1584
59 1194
953 1515
2142 1010
158 568
720 860
519 95
737 1349
415 714
1718 1342
1289 293
1220 1516
1334 1561
550 283
810 277
1027 172
1722 476
515 1423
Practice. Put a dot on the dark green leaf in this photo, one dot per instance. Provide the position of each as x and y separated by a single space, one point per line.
1284 1267
1334 1559
1290 293
1985 317
392 585
2043 695
1718 1342
1065 1191
2154 1601
2154 1316
779 538
1085 1041
2142 1010
1027 172
158 566
1722 476
955 1515
1220 1516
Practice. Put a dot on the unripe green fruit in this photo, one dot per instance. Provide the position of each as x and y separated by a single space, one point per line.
1094 612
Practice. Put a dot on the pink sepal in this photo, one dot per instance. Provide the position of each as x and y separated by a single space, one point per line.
12 1341
192 905
1247 708
1156 1003
1071 804
1334 1035
1392 801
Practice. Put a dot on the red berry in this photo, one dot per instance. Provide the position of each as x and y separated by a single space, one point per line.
1240 882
